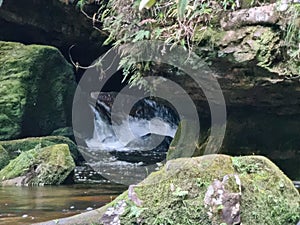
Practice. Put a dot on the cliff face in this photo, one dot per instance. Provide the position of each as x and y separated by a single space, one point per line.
51 23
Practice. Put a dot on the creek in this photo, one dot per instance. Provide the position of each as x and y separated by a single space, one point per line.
27 205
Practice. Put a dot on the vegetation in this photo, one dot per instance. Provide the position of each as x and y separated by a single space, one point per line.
186 23
172 22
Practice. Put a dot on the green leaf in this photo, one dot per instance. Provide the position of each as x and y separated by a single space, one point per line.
141 35
182 5
146 4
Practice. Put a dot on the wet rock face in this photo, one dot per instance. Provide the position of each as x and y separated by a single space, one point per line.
37 87
53 23
39 166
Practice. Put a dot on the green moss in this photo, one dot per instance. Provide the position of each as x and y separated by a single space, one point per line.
175 194
20 165
35 84
49 165
269 196
4 157
13 147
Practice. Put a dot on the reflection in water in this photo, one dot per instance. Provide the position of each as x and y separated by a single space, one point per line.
26 205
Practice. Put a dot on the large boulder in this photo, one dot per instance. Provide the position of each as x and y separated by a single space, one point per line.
204 190
211 189
39 166
15 147
36 90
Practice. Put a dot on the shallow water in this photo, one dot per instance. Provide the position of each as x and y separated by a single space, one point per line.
26 205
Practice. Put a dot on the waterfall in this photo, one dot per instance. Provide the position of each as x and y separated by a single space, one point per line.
150 118
124 158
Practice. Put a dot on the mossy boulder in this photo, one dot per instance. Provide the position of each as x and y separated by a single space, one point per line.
179 193
4 157
39 166
36 90
15 147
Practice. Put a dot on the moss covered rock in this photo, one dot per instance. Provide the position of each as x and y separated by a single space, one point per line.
36 89
182 192
15 147
4 157
39 166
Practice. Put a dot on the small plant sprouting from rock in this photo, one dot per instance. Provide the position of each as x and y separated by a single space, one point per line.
180 193
245 167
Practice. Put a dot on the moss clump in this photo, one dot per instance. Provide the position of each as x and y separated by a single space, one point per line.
36 83
14 147
269 197
4 157
175 194
49 165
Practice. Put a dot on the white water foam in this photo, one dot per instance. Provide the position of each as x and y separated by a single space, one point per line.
104 136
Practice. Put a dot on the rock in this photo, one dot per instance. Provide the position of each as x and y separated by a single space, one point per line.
112 214
26 22
15 147
183 143
253 189
261 185
37 85
224 198
4 157
150 142
64 131
39 166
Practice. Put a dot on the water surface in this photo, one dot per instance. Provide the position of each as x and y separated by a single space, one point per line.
26 205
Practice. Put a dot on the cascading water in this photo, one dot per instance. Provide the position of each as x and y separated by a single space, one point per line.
152 118
111 150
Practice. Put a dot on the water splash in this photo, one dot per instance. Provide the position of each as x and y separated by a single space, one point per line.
150 118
